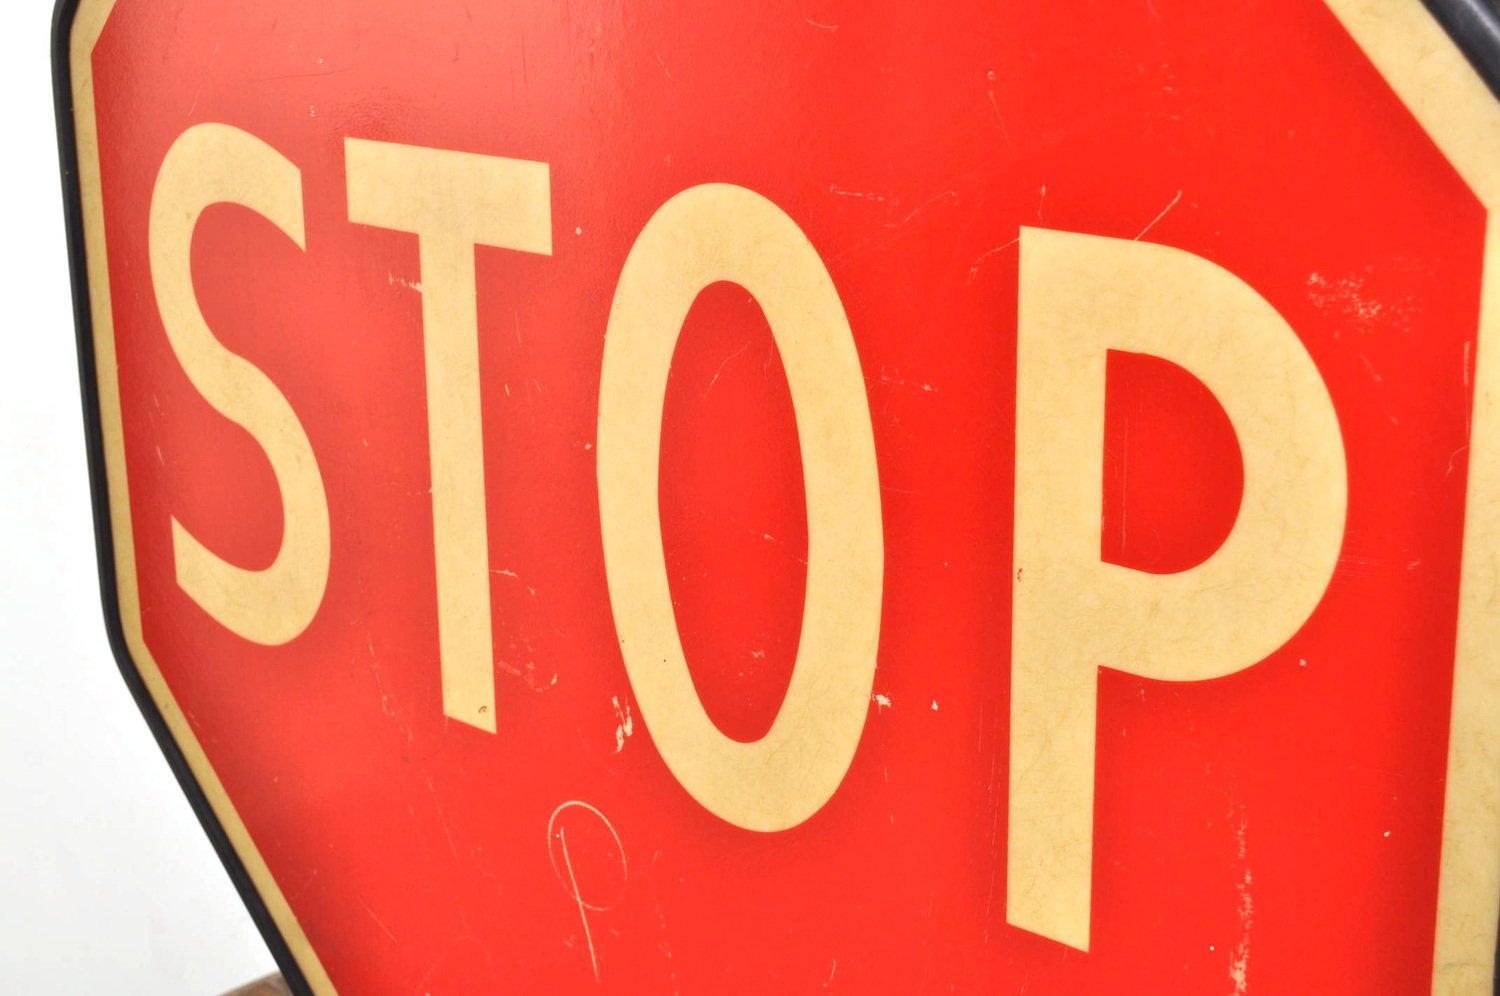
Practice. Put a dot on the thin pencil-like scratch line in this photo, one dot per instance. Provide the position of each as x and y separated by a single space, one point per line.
378 922
562 835
1152 223
715 379
974 270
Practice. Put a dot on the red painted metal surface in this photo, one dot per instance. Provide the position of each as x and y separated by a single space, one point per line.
1277 829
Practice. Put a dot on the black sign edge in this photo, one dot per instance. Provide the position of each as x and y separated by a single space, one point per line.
62 92
1474 26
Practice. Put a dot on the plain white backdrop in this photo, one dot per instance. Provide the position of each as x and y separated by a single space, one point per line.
107 883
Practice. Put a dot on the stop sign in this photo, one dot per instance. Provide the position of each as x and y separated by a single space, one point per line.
781 498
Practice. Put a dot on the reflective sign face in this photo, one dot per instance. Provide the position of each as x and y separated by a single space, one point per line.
767 498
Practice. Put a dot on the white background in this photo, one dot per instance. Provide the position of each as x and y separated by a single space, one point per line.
107 883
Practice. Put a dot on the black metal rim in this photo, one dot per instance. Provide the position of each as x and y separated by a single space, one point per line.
62 88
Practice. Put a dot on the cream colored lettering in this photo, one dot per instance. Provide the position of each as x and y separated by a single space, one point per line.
454 201
218 164
1081 296
702 235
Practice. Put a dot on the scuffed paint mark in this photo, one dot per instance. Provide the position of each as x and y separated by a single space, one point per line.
863 195
940 197
891 231
442 817
206 71
1160 215
379 922
396 281
727 360
974 268
386 706
625 728
666 944
991 79
518 660
559 834
1239 962
588 935
894 380
1345 297
1453 459
506 572
882 702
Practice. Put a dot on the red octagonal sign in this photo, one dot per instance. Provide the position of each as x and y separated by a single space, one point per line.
780 498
